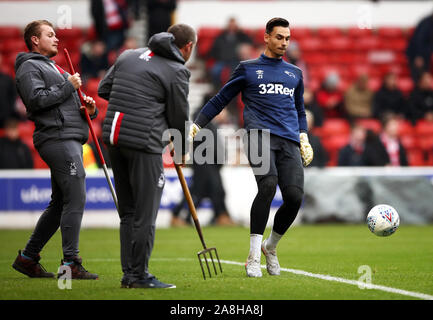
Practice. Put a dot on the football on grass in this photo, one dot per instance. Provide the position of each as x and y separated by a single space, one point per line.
383 220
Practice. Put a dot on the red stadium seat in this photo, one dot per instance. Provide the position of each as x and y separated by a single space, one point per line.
10 32
424 128
371 124
335 127
340 43
367 44
92 86
399 44
405 128
390 32
409 142
333 144
356 33
14 46
73 33
374 83
26 129
426 143
415 158
405 84
329 32
316 58
38 163
310 44
206 37
300 33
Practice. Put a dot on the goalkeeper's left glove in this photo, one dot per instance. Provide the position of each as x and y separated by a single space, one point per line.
306 149
193 130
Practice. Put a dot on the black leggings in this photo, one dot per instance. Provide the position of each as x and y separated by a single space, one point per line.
286 214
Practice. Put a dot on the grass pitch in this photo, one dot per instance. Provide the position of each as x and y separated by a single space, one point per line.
402 261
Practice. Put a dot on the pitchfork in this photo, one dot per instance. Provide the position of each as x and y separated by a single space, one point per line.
201 254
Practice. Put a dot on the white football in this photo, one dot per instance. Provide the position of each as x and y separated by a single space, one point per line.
383 220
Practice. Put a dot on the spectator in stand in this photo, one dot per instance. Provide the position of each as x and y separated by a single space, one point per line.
320 154
294 56
225 51
94 60
110 18
385 149
421 99
8 96
329 96
14 154
311 105
358 99
352 154
389 99
391 141
420 49
159 15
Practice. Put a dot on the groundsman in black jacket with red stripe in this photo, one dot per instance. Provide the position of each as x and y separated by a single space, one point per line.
147 90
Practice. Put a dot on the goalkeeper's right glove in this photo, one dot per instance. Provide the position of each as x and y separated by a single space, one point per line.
193 130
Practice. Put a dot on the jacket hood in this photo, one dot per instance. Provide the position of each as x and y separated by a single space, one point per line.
162 44
24 56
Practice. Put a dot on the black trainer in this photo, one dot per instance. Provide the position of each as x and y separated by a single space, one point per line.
125 283
31 267
151 283
77 270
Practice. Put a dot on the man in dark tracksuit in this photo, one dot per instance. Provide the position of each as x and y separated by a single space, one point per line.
147 90
49 94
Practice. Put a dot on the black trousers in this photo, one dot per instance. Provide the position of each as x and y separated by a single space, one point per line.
139 180
68 198
284 163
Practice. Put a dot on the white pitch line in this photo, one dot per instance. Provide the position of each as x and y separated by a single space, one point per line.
346 281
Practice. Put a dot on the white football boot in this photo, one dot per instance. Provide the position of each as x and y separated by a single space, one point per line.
272 264
253 267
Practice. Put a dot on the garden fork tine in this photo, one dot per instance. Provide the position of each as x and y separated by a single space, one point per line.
197 224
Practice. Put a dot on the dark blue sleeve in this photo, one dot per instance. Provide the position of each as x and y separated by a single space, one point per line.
223 97
299 104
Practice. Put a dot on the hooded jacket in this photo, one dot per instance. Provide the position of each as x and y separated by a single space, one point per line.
147 90
51 100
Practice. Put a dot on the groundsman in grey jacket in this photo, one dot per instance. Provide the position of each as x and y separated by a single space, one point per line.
147 93
49 94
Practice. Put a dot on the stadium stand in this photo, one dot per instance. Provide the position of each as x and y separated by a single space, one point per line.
348 51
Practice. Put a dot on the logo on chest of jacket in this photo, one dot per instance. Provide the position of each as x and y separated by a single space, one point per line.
290 74
146 56
260 74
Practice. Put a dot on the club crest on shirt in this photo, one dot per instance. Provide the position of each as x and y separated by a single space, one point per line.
259 74
72 169
290 74
161 180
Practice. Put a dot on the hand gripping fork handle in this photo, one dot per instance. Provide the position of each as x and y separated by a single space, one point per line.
201 254
92 132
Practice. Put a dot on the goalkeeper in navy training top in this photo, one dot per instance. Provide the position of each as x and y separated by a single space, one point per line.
272 91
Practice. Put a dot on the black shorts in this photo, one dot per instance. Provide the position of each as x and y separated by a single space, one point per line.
280 157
